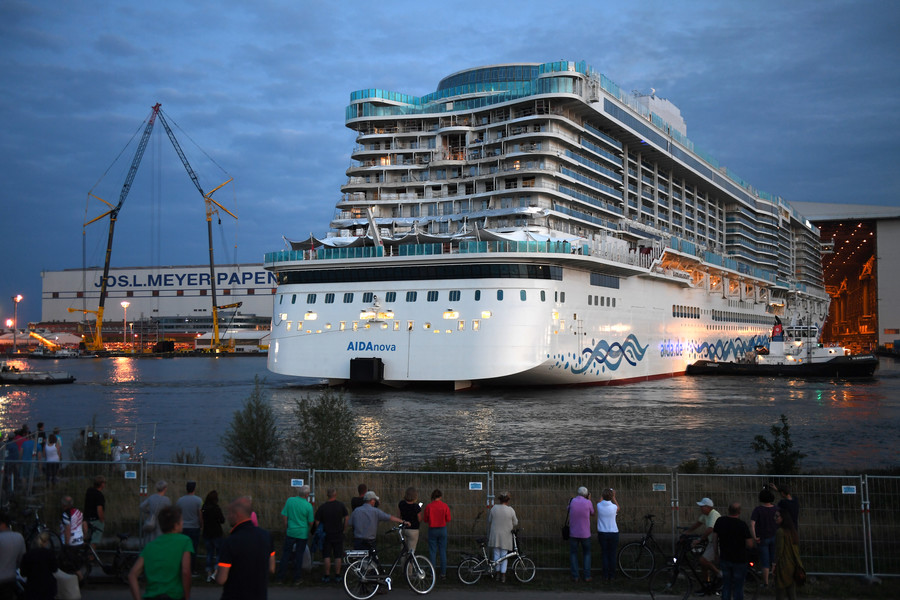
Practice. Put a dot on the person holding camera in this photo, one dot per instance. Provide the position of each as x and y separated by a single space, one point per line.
608 531
580 510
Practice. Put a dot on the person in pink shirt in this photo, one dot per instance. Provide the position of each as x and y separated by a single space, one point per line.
580 510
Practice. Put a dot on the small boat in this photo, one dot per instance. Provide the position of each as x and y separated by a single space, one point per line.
41 352
10 374
799 355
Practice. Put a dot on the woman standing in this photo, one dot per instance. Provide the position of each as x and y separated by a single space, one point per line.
503 520
437 515
52 452
608 531
212 531
762 527
787 556
409 511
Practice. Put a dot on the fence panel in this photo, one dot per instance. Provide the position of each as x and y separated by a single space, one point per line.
541 501
884 517
832 539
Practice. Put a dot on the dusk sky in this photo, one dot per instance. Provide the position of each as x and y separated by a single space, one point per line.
799 98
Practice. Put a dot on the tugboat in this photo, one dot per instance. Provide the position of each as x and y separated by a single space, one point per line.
799 355
10 374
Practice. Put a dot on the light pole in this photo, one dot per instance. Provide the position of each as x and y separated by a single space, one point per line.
125 304
16 299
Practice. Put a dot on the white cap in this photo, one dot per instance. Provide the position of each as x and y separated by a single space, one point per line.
705 502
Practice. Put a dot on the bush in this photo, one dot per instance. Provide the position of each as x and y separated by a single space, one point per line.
325 436
252 438
783 459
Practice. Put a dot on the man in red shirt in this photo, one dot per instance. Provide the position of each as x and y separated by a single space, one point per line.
436 516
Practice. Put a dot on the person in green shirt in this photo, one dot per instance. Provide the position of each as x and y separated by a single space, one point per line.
298 515
165 562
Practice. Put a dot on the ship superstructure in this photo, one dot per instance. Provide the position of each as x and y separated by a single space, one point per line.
533 223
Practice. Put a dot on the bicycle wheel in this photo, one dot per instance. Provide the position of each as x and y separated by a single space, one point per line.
524 569
360 579
752 584
670 583
420 574
469 570
122 564
636 561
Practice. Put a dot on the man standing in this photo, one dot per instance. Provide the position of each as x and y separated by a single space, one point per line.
734 541
166 561
72 527
247 556
95 510
356 502
12 549
333 517
704 526
580 510
150 509
298 517
190 505
364 522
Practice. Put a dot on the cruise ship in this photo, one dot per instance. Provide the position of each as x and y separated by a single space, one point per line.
534 224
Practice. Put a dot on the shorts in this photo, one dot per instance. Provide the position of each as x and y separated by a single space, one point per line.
710 552
333 547
96 531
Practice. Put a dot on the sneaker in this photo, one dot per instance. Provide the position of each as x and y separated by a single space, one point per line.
326 579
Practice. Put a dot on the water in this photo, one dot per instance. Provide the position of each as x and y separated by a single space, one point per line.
170 405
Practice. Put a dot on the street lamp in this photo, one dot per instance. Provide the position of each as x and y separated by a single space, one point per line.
125 304
17 298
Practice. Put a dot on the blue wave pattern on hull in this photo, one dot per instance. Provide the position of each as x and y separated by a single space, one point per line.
610 356
728 349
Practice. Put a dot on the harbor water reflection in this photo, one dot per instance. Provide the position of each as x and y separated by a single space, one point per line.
189 403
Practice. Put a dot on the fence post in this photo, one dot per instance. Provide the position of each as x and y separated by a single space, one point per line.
675 508
312 485
869 555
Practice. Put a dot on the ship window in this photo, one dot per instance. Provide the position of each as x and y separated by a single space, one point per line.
343 326
156 294
310 298
432 296
368 297
250 291
499 294
411 296
477 295
181 292
523 295
329 298
426 326
396 325
390 297
454 295
543 295
590 300
602 300
226 292
613 302
562 296
461 325
355 325
348 297
293 298
410 325
128 294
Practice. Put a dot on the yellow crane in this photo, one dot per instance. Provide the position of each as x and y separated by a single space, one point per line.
212 208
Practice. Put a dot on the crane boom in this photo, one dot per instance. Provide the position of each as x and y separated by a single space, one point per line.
97 342
211 208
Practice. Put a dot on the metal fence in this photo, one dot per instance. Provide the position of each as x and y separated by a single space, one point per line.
849 524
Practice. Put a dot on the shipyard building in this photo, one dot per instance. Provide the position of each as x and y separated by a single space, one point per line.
145 305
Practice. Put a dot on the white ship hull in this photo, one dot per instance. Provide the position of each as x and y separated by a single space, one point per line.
651 326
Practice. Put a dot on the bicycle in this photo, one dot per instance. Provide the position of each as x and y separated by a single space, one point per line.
637 560
364 575
82 559
472 566
676 580
37 527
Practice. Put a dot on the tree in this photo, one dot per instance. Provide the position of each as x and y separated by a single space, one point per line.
783 459
252 438
325 436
